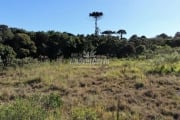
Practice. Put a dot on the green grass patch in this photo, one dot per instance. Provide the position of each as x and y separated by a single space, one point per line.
32 108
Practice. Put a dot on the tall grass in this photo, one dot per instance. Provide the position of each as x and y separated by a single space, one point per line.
143 95
33 108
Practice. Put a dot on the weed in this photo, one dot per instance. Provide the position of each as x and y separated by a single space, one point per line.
83 113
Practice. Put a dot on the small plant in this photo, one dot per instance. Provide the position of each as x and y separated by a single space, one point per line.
82 113
52 101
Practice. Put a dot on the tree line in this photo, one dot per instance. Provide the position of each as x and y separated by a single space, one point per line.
19 43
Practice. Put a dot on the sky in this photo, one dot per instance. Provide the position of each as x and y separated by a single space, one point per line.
141 17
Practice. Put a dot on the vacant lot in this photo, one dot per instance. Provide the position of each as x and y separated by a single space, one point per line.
124 89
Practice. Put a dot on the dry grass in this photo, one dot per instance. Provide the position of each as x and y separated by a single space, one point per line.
123 89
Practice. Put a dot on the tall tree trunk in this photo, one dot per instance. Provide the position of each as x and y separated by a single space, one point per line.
121 36
96 28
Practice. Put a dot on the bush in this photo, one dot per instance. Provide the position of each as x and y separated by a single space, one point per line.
24 61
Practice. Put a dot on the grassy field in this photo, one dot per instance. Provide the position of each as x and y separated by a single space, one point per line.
124 89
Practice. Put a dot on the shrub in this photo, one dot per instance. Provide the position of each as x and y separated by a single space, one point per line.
24 61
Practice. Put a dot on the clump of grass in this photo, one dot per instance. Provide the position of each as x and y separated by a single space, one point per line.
112 74
7 94
22 110
84 113
51 102
124 70
165 69
129 116
32 108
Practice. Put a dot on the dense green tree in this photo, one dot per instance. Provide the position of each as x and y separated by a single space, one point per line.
80 44
112 44
7 54
109 46
55 44
18 30
62 44
23 45
163 36
175 42
126 50
68 45
133 37
140 49
101 49
5 34
91 43
177 35
41 42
